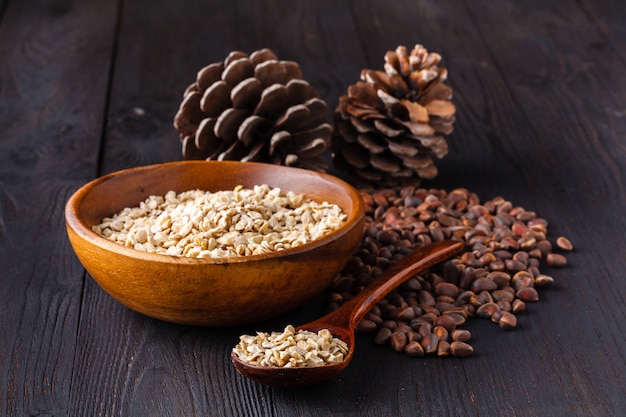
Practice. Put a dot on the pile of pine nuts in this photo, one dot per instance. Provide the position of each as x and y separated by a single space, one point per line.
495 278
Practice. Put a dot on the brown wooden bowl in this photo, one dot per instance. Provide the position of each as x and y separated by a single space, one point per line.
217 291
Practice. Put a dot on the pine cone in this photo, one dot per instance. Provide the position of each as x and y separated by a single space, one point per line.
254 108
389 127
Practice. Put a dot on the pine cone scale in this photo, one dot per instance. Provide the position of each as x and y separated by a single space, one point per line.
216 98
227 125
440 108
237 71
272 102
189 116
205 138
252 128
246 94
208 75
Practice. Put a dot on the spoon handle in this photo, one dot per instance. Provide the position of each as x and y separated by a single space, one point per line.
354 310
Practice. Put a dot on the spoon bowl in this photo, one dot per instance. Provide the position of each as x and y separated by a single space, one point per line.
342 322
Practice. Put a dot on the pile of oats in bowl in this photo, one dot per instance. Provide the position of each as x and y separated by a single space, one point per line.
238 222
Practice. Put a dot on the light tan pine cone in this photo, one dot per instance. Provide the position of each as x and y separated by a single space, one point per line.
254 108
390 127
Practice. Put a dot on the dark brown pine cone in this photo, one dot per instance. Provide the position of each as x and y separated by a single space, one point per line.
390 127
254 108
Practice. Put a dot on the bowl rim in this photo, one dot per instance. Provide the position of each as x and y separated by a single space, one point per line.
74 221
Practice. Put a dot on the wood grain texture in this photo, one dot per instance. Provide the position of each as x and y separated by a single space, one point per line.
548 89
45 152
91 87
157 57
523 118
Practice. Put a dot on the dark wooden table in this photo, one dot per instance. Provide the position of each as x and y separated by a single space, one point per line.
90 87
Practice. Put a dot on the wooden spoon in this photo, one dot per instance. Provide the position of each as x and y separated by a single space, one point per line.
343 321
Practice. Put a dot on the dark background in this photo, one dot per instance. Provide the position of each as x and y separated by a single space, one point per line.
89 87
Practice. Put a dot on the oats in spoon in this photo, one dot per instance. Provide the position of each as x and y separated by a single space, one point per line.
291 348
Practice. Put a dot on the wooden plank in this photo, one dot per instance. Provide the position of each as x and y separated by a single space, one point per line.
148 85
578 161
546 133
421 383
608 17
260 32
158 55
48 147
167 368
126 363
522 114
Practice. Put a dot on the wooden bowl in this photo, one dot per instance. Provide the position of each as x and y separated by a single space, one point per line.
216 291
